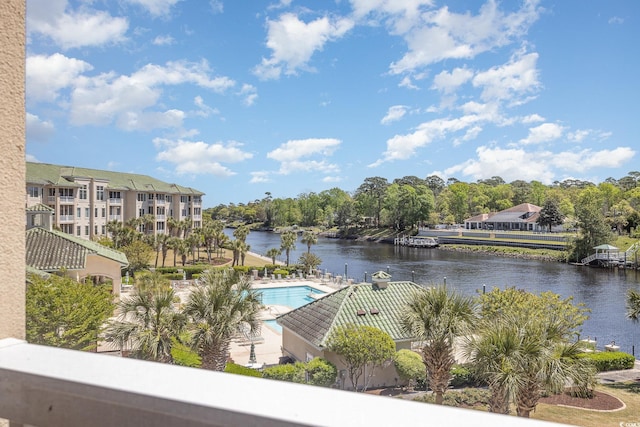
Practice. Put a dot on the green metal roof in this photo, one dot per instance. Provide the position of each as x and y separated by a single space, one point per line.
40 208
359 304
51 250
48 174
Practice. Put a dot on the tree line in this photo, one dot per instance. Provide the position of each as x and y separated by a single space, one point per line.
410 201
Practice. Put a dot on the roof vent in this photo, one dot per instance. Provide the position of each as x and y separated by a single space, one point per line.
374 310
361 312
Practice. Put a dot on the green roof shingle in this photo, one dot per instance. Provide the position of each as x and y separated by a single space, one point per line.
48 174
359 304
50 250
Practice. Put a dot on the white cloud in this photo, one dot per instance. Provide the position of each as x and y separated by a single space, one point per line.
589 159
156 7
402 147
38 130
216 6
401 15
448 82
163 40
532 118
506 163
443 35
74 28
395 113
332 179
203 109
145 121
543 133
517 77
31 158
293 43
291 152
199 157
47 75
578 135
260 177
249 94
124 99
616 20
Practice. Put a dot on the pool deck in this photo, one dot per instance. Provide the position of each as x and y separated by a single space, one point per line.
268 348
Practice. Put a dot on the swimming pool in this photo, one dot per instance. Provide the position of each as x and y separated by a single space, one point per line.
290 296
274 325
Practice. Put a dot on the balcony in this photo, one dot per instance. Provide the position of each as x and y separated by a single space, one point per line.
115 201
66 218
160 202
161 217
47 386
115 217
67 199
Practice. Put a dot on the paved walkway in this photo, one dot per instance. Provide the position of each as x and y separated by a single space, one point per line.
620 376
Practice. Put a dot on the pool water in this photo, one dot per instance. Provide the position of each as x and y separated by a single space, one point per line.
274 325
292 296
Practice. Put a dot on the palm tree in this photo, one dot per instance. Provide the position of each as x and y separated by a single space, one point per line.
182 249
273 253
114 227
309 238
519 357
184 226
241 233
288 243
163 244
194 241
172 225
218 310
633 305
147 321
438 316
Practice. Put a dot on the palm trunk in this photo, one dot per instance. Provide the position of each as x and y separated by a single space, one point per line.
438 361
528 397
214 356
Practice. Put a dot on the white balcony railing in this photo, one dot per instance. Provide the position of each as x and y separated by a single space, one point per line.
160 217
117 201
67 199
66 218
48 386
115 217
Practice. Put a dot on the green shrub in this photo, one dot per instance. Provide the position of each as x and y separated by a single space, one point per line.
292 372
321 372
462 376
233 368
282 272
182 355
468 397
242 269
610 360
173 276
164 270
409 366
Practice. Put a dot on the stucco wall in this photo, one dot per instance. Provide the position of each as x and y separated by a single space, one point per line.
97 265
12 168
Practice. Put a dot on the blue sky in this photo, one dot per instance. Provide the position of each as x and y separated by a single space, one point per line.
239 98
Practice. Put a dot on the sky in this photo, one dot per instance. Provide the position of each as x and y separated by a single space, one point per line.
241 98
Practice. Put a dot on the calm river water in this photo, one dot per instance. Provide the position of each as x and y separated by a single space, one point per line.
603 291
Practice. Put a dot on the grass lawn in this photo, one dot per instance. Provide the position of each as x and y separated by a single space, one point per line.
249 260
628 392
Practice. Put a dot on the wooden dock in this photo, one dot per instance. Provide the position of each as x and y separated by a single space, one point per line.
416 242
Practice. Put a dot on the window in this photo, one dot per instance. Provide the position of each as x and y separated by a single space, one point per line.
114 195
52 192
183 199
142 197
169 198
150 196
96 212
160 225
78 212
104 229
104 212
140 212
86 230
100 192
33 191
150 211
66 192
95 229
160 210
87 212
184 212
197 211
82 192
160 197
78 229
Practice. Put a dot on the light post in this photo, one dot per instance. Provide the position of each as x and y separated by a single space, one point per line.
345 271
365 277
413 276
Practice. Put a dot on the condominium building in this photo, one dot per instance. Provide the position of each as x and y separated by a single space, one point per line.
85 200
